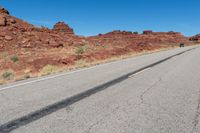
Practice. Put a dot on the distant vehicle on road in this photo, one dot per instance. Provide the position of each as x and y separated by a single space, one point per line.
182 45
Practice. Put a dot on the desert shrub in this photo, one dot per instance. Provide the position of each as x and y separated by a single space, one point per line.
7 75
48 69
105 46
97 44
100 45
14 58
82 49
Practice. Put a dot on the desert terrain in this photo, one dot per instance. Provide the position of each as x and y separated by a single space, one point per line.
30 51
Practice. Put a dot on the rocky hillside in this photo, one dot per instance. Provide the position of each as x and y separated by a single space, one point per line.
195 38
27 50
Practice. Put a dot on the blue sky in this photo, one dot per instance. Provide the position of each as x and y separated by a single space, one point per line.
90 17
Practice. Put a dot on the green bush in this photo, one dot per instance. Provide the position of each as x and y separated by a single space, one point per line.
7 75
14 58
80 50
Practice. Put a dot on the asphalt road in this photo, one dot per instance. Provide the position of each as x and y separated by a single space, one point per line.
155 93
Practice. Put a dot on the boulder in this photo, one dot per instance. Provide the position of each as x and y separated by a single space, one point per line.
8 38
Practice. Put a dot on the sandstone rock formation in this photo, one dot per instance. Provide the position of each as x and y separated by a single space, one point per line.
146 32
195 38
62 27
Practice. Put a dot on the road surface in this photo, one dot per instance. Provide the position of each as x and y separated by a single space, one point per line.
155 93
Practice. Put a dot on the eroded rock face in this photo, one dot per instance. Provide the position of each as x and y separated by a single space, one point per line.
62 27
195 38
3 20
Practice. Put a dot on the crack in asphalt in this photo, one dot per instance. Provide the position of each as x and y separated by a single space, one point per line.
100 120
197 114
148 89
95 124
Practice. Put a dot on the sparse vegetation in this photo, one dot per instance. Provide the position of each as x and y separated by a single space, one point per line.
14 58
97 44
8 75
48 69
82 49
104 47
3 55
100 45
81 63
79 51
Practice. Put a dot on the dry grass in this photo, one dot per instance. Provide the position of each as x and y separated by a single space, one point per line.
82 49
83 63
80 63
10 76
48 69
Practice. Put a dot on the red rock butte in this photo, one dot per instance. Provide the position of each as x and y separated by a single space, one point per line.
62 27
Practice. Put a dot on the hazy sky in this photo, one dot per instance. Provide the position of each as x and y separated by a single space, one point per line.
90 17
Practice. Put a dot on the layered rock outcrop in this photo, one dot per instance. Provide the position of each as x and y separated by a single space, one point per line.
195 38
62 27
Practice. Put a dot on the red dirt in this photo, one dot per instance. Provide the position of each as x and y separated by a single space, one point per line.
37 47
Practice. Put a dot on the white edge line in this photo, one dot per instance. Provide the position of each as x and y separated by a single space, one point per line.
49 77
58 75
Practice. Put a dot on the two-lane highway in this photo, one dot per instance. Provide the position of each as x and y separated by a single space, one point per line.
163 97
